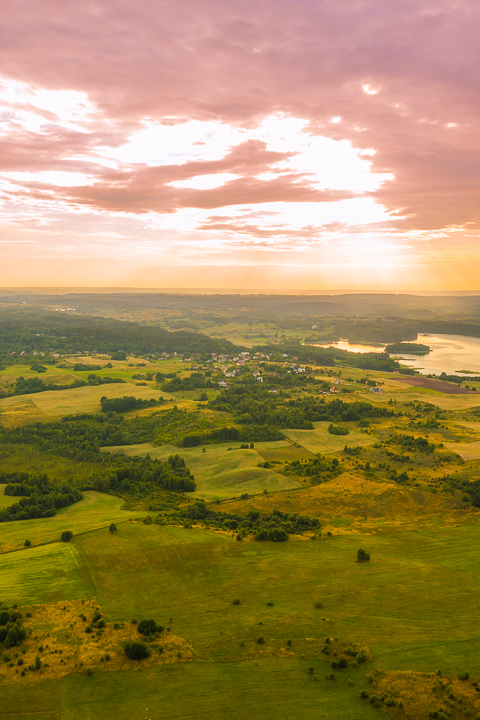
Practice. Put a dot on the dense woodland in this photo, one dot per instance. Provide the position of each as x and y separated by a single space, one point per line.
39 498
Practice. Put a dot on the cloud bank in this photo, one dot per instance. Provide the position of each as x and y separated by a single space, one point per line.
253 144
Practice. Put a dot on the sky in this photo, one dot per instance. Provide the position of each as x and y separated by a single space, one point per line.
260 145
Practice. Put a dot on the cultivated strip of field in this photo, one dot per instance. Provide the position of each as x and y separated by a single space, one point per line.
42 574
321 441
96 510
445 402
437 385
221 472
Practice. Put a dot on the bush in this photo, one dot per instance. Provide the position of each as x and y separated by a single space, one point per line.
66 536
27 543
335 430
261 640
149 627
136 650
362 555
236 601
113 528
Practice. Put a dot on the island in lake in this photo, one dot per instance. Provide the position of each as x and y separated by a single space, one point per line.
410 348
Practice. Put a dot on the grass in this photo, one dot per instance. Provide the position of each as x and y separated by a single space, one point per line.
28 458
5 500
399 605
96 510
366 502
248 690
468 451
58 403
43 574
252 690
321 441
222 473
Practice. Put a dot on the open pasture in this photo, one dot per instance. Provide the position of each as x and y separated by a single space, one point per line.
246 690
43 574
96 510
221 472
415 605
321 441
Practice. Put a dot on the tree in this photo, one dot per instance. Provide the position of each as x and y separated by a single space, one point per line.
112 528
66 536
136 650
362 555
149 627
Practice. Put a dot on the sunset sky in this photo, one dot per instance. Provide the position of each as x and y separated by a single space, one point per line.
253 145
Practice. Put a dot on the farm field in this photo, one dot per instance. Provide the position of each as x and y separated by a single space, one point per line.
59 403
43 574
96 510
445 402
221 472
321 441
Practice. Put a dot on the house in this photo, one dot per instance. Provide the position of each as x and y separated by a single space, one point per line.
222 383
260 379
273 391
376 389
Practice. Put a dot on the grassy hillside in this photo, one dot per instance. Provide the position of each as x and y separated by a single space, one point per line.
321 441
222 472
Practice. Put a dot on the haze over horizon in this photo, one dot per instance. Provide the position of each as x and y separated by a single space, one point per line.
252 145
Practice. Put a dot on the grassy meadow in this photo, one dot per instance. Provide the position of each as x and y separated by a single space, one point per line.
222 472
58 403
414 606
321 441
96 510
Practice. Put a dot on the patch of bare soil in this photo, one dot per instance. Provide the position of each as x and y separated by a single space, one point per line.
437 385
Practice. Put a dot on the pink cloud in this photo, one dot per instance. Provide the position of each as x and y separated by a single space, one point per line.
236 62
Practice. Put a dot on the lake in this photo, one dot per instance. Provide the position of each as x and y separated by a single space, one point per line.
449 354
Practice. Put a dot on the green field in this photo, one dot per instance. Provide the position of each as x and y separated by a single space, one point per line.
58 403
248 690
219 472
415 605
43 574
94 511
5 500
321 441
